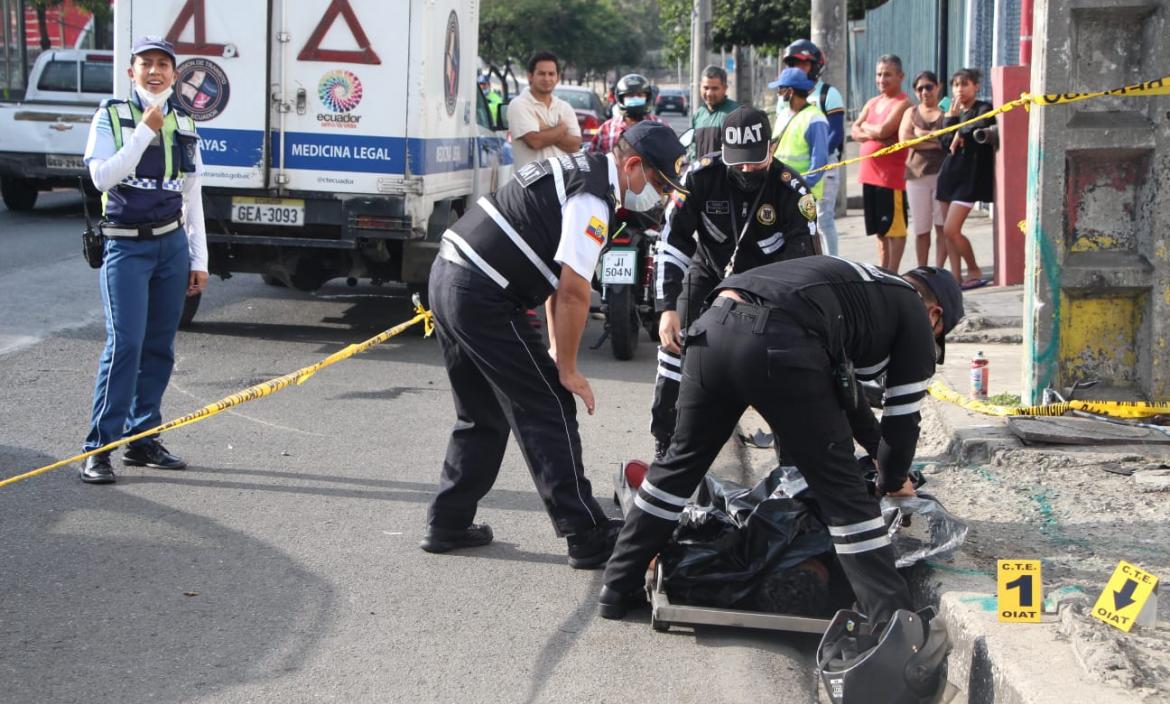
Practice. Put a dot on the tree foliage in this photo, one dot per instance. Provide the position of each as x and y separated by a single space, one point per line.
590 36
769 25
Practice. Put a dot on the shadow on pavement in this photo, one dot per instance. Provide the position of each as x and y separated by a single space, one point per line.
110 597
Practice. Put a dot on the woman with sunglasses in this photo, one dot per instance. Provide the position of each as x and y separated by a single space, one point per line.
922 164
967 174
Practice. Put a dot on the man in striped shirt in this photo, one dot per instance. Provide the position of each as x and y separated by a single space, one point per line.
789 338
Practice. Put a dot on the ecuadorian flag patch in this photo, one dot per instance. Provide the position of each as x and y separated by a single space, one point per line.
678 198
596 231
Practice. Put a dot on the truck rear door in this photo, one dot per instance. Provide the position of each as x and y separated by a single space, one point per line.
345 80
222 48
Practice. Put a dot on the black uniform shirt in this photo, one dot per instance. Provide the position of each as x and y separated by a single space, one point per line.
871 317
780 222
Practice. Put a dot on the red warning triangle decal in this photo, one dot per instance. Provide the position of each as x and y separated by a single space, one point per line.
193 10
314 52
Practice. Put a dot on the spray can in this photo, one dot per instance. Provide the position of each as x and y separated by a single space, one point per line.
980 375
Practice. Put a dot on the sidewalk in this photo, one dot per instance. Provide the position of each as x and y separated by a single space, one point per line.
1079 509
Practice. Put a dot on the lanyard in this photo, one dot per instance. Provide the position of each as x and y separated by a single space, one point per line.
746 224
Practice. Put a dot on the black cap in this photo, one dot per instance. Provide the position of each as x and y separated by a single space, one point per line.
147 43
949 295
746 132
659 146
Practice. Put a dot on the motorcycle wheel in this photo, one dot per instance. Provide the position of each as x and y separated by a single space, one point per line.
623 321
652 327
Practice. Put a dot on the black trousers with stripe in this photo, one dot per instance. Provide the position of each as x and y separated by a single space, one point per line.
697 284
503 380
738 355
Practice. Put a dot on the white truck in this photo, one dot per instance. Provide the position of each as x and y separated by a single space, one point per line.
340 138
42 136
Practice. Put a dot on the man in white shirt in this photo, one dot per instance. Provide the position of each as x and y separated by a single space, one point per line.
542 124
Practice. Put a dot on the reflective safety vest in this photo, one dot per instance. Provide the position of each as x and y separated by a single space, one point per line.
153 191
794 149
512 235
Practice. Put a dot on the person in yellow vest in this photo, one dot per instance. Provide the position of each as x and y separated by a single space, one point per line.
801 132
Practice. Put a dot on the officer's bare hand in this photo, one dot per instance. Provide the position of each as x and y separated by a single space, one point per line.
576 383
906 490
669 332
196 282
153 117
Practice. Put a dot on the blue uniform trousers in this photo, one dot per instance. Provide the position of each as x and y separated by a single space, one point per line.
143 283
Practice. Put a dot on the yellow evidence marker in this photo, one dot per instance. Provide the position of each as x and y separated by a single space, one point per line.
1124 596
1018 598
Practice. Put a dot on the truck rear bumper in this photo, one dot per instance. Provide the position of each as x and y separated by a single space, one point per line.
329 221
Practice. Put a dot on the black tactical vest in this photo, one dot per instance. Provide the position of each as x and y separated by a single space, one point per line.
512 235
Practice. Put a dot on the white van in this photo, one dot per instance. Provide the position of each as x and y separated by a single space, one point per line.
340 137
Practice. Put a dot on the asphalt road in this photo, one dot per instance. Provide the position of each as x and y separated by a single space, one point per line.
283 565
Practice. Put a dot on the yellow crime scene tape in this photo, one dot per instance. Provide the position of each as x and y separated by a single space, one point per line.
1115 409
1158 86
251 393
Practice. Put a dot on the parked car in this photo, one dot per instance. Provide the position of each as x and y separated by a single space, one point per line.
674 99
590 110
42 136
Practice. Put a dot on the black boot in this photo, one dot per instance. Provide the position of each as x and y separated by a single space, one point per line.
151 454
445 539
97 470
590 549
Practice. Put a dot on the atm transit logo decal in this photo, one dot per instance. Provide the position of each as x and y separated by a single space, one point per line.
203 88
451 63
340 92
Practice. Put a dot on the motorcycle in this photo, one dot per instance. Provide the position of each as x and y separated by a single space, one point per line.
626 281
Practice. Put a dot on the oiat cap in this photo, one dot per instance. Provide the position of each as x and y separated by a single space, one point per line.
792 77
746 132
659 146
949 296
148 43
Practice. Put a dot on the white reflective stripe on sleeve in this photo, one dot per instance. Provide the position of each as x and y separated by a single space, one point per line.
664 372
672 251
518 241
668 258
863 546
558 178
466 250
664 356
875 369
855 528
903 389
662 495
902 409
655 510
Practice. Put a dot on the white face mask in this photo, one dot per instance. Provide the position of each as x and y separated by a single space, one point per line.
152 99
642 201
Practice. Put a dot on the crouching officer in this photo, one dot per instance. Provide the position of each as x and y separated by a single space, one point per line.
536 240
788 339
749 209
143 154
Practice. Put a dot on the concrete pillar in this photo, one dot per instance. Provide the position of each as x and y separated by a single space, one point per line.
829 26
1097 302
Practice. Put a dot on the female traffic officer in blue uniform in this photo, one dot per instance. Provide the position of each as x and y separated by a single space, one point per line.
143 154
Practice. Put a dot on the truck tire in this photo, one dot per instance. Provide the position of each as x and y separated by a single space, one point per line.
622 317
19 195
190 307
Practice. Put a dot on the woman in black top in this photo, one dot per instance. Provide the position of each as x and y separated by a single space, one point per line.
967 174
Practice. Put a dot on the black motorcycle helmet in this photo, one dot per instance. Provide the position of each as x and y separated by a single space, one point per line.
900 662
633 83
805 50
